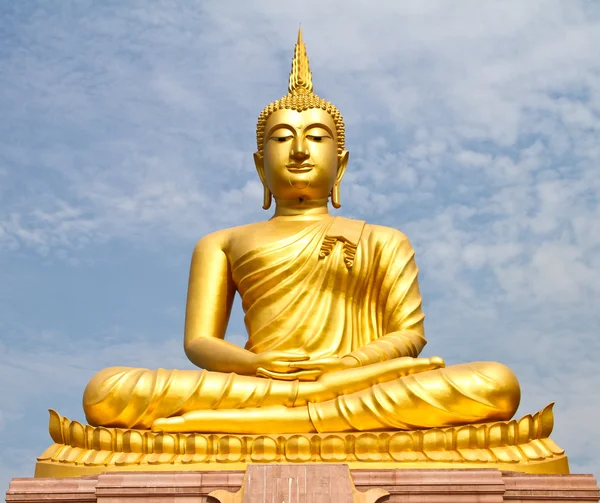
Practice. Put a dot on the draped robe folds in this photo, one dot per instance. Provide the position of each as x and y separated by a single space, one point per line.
339 287
306 295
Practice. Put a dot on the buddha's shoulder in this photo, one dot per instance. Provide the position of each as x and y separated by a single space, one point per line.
383 234
223 237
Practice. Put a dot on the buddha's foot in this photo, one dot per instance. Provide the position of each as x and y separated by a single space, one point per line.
516 445
289 419
164 424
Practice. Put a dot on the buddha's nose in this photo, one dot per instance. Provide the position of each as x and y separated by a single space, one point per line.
299 150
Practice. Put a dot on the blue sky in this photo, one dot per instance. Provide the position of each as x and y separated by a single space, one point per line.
127 132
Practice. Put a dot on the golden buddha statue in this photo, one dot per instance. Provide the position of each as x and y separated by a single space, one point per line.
334 320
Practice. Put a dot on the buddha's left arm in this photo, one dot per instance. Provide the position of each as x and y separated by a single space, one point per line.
400 308
393 345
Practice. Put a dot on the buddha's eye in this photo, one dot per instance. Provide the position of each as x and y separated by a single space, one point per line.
281 139
318 135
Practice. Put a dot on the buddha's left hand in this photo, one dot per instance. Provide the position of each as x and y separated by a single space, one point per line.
311 370
327 365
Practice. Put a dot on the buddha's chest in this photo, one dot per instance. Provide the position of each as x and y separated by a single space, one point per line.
269 236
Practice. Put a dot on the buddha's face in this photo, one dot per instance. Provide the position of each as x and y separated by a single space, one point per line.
300 157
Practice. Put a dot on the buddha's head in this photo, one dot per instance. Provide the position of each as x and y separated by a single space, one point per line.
300 141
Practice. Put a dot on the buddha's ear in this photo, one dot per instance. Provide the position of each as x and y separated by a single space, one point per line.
259 162
342 164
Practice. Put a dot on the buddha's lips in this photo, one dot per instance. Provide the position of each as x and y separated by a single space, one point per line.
299 168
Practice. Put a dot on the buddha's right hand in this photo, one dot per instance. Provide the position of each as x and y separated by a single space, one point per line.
280 365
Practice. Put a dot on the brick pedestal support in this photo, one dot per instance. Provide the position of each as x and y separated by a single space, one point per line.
312 483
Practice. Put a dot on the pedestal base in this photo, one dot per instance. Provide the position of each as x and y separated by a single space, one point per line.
296 483
521 445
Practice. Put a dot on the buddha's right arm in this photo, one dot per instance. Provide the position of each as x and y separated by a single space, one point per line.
209 300
210 297
220 356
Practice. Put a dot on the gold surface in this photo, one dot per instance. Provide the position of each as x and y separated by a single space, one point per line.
334 320
521 445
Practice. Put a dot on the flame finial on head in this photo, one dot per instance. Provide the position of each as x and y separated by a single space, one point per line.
300 76
300 97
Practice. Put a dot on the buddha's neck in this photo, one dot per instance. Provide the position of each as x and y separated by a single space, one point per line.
306 208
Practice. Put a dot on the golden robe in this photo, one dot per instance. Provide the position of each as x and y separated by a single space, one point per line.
339 287
325 295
